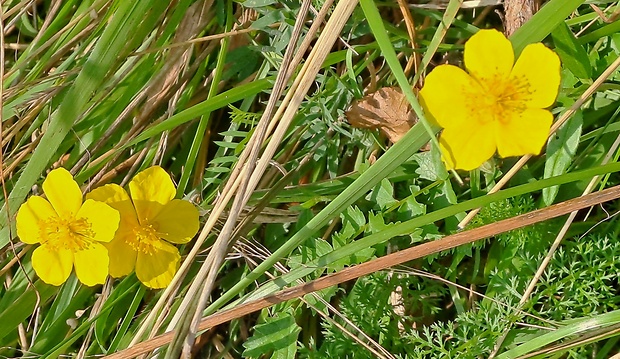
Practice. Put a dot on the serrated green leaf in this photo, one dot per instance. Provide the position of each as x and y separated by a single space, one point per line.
560 152
376 223
218 169
431 167
277 336
382 194
224 159
572 54
353 220
311 249
226 144
411 208
268 19
235 133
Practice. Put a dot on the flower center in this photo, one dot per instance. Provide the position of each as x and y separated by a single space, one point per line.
74 234
144 239
504 96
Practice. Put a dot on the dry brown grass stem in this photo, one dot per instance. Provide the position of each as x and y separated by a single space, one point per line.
15 259
565 116
161 89
414 60
140 121
420 251
23 340
8 170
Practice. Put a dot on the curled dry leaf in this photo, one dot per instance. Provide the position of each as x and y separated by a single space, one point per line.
386 109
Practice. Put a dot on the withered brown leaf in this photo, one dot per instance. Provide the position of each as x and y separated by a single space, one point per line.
386 109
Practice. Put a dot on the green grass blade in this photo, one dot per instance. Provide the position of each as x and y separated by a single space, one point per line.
606 30
574 327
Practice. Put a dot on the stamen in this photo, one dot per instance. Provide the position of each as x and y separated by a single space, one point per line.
144 239
503 96
74 234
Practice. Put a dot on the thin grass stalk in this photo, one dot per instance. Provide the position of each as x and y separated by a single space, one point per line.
205 118
289 112
218 209
102 59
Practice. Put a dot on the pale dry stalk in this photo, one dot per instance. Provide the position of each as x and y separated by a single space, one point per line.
62 32
159 89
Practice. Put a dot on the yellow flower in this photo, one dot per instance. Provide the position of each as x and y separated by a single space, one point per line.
500 105
69 231
149 220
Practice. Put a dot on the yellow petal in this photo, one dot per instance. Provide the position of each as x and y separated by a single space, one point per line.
467 147
91 265
117 198
53 267
63 192
122 255
30 219
488 56
449 96
177 222
157 269
524 132
150 190
102 218
537 75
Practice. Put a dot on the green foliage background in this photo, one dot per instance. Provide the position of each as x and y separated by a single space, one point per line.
106 88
